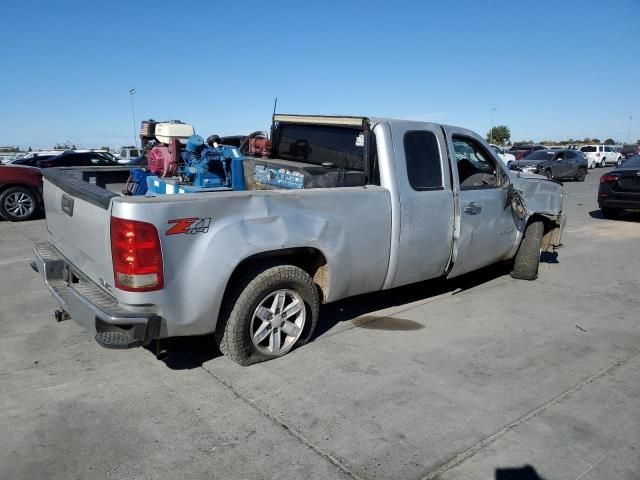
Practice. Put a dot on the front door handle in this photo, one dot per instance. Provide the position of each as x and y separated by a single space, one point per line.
472 208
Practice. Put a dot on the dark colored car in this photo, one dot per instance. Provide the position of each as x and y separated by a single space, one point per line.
554 164
20 192
522 151
620 188
78 159
628 151
32 160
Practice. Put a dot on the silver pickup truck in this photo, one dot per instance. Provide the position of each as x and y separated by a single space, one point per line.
253 266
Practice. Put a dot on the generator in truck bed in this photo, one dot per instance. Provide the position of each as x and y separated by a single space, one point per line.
303 153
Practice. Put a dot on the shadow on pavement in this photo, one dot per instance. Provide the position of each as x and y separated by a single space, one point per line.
184 353
520 473
624 216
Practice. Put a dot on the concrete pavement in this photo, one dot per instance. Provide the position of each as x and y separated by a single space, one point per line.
481 377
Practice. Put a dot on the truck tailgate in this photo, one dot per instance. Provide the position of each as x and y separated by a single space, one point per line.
78 222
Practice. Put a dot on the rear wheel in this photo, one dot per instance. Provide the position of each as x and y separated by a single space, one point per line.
581 174
18 204
527 260
610 213
269 312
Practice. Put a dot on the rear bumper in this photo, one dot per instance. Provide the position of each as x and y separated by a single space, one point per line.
612 199
88 305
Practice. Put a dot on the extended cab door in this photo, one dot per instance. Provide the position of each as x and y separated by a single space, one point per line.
423 218
486 229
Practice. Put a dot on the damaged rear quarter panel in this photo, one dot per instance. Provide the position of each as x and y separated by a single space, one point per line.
350 226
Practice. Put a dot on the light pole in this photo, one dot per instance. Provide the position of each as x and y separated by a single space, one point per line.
493 109
133 118
629 129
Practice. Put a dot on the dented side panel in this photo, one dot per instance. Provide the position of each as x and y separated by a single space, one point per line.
350 226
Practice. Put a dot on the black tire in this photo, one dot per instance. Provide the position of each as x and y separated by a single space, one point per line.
233 333
527 260
548 173
610 213
581 174
18 204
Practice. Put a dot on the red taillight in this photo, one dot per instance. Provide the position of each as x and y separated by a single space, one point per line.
137 256
608 178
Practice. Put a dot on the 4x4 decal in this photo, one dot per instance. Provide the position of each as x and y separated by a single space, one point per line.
190 226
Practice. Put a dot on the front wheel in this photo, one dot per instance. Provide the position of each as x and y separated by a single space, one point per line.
548 173
603 163
270 312
581 174
527 260
18 204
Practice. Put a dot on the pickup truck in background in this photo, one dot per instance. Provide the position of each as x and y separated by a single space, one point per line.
415 201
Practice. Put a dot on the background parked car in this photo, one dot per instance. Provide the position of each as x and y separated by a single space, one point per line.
128 155
630 150
521 151
78 159
505 156
20 192
601 155
554 164
620 188
31 158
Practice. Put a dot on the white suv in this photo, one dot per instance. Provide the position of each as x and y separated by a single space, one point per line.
600 155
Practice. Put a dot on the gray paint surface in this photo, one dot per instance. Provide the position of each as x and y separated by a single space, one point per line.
482 373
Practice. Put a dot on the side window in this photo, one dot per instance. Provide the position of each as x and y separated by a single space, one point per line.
424 167
476 168
98 160
77 160
570 155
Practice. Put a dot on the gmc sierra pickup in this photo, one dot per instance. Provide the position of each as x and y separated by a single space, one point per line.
422 201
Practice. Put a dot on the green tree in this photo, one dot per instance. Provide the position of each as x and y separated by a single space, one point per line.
499 134
595 140
105 148
609 141
30 149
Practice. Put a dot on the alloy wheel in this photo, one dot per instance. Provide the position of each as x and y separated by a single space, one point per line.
19 204
278 322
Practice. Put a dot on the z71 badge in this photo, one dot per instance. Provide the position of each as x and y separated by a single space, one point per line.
189 226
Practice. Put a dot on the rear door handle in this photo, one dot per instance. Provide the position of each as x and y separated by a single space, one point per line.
472 208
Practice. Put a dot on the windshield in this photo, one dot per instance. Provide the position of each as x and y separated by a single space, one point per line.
540 155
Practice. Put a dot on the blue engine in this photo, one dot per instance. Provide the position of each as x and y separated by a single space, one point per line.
203 168
211 166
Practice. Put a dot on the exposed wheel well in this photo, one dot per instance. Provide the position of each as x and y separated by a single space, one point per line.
309 259
550 229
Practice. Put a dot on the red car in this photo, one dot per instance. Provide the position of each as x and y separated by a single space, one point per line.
20 192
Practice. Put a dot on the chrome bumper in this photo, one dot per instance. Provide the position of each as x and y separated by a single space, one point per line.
87 304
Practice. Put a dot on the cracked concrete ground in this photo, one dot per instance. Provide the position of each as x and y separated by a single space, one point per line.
479 378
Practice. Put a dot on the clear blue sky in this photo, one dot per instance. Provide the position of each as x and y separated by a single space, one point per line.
548 67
